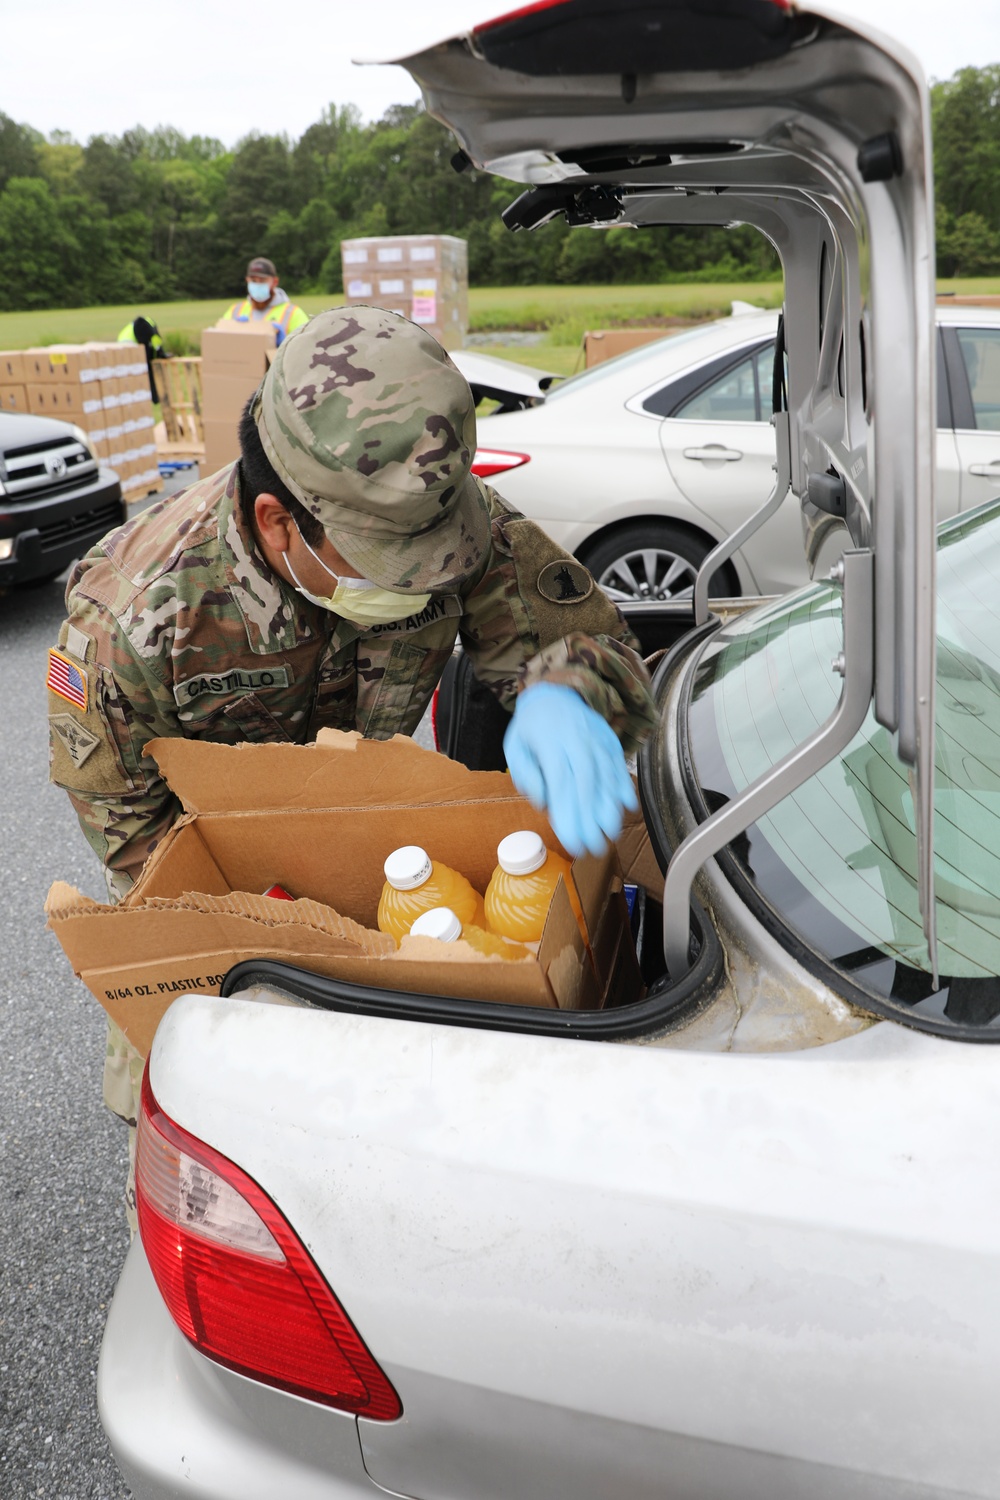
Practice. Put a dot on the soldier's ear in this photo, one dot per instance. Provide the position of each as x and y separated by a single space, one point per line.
275 526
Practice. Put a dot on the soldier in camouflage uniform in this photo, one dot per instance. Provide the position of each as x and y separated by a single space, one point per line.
211 615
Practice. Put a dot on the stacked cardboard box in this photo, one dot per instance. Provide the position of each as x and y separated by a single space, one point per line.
13 395
423 276
101 388
234 358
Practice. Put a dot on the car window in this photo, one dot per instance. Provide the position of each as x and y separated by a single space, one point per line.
981 356
733 398
719 391
764 361
837 858
658 350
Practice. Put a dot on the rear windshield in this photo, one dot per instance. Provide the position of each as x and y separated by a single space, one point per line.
837 858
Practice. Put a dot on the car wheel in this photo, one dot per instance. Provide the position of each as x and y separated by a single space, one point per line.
654 561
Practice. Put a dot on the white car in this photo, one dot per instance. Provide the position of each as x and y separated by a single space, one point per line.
642 464
738 1239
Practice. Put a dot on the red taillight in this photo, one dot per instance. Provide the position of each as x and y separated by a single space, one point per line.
489 461
236 1278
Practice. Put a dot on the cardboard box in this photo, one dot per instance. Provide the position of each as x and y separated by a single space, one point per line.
320 820
223 397
422 277
415 252
235 357
222 446
13 397
70 402
111 394
108 359
13 368
605 343
64 364
237 348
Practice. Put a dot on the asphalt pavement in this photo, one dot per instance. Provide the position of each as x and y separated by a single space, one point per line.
63 1157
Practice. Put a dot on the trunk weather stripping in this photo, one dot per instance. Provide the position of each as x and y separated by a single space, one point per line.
665 1005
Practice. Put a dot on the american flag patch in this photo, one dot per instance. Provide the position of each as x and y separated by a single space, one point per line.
67 680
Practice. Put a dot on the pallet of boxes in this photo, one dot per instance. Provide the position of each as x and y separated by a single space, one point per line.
423 276
101 388
234 359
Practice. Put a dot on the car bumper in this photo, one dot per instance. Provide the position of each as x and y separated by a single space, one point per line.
181 1426
50 532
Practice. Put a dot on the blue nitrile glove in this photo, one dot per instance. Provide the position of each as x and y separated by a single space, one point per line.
564 758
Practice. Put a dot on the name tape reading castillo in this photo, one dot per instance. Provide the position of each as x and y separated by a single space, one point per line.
229 682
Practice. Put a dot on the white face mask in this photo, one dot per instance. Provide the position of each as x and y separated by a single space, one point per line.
358 599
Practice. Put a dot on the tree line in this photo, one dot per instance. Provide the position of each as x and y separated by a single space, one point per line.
154 215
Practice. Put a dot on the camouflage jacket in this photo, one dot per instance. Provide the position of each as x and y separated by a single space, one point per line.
178 627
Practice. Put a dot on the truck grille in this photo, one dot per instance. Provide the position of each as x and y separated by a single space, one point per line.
90 523
49 468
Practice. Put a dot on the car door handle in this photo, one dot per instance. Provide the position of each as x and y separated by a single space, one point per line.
714 452
987 471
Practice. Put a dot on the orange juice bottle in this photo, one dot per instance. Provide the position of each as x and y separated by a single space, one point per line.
414 883
442 923
523 884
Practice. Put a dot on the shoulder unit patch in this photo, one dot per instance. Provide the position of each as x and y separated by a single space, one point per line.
80 741
565 581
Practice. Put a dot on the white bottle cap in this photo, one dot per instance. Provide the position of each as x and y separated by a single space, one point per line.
521 853
408 867
440 922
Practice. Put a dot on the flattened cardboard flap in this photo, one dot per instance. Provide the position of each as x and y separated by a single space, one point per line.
340 770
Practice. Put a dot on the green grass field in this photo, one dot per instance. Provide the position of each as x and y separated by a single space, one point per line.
561 313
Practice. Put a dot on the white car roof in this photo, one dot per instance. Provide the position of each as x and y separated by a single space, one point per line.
951 314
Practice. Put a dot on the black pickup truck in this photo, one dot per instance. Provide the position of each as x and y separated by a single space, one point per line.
55 499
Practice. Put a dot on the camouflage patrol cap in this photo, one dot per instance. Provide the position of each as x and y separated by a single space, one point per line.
371 426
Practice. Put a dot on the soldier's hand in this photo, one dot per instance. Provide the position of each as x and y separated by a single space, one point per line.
566 760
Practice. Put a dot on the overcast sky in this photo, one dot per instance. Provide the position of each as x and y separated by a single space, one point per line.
219 69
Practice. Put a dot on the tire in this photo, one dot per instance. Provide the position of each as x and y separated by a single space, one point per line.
652 560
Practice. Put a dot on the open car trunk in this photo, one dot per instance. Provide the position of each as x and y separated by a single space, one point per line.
817 133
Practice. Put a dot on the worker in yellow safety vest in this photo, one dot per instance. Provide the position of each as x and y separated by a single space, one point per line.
266 302
142 331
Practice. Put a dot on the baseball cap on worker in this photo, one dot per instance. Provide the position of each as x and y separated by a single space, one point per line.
261 266
370 425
